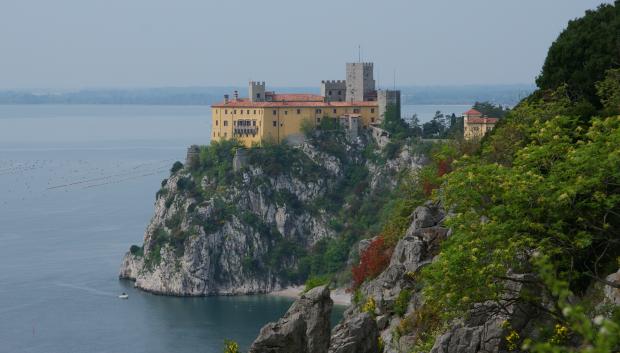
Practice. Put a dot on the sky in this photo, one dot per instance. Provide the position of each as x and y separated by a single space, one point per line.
73 44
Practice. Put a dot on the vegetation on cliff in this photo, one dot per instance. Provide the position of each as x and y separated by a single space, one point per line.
542 196
539 196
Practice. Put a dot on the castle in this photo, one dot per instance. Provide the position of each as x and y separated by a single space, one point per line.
267 115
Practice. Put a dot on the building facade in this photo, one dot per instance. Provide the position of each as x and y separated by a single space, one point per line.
476 125
269 116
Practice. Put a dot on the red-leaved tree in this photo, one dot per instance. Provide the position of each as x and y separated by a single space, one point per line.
373 261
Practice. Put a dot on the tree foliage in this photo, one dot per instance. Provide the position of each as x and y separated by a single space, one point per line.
491 110
556 195
583 52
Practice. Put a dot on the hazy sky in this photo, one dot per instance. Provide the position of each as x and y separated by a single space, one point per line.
138 43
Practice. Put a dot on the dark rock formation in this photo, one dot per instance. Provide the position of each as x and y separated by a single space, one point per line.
305 328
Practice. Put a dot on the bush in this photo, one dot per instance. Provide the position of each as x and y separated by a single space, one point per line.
231 346
391 150
185 184
316 281
175 168
402 302
372 262
136 250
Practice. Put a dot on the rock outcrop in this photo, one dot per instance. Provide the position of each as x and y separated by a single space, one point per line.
305 328
236 228
357 334
416 249
482 331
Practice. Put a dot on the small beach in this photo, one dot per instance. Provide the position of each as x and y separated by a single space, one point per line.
338 295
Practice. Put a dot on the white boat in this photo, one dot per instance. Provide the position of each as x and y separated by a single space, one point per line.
124 296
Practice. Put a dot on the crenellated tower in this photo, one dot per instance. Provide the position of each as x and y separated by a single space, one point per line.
360 82
256 91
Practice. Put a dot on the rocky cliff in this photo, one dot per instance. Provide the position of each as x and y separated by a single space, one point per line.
224 229
390 317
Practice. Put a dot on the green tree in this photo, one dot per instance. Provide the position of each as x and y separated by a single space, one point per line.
395 124
609 92
491 110
583 52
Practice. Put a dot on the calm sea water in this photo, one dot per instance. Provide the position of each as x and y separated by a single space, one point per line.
77 186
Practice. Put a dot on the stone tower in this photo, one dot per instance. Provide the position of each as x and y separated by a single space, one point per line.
386 98
360 81
334 90
256 91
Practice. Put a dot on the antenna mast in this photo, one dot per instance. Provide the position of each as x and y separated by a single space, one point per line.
395 79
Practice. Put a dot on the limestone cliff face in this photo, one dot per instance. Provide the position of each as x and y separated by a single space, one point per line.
361 332
211 236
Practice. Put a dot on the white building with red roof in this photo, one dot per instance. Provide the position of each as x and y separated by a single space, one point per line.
476 125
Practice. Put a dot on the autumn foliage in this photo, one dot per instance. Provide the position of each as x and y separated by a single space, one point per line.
373 261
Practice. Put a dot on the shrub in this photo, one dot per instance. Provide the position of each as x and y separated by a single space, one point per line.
136 250
373 261
316 281
370 306
231 346
391 149
175 168
185 184
402 302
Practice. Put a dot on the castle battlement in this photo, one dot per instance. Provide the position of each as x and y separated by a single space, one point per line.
340 82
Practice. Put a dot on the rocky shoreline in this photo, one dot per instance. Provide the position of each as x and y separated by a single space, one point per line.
339 296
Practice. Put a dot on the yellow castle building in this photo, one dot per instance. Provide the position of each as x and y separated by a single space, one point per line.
270 116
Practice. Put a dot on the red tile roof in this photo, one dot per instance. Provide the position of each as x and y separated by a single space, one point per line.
297 97
482 120
472 112
244 103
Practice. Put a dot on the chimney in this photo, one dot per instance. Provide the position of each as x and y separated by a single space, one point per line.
236 95
225 98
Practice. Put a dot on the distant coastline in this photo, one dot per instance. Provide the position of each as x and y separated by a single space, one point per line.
508 94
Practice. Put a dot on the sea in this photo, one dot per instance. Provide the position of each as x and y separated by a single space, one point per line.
77 187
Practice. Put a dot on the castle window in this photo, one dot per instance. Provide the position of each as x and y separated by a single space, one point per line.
298 111
253 122
356 110
225 122
318 111
216 122
372 110
334 111
248 111
286 112
258 95
330 93
274 113
372 120
275 123
318 120
340 93
254 111
235 111
226 111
